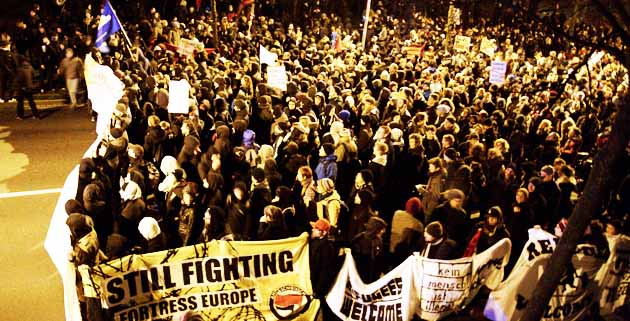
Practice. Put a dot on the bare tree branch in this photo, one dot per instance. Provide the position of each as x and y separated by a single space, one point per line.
617 26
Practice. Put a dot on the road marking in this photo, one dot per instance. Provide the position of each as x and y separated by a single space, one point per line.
30 193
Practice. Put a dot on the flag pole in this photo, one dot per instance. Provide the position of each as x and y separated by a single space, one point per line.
122 28
365 24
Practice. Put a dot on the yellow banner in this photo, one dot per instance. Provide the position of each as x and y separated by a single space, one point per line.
218 280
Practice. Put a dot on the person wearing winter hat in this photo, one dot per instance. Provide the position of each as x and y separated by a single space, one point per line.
150 230
323 260
407 227
368 252
437 245
327 166
329 204
487 233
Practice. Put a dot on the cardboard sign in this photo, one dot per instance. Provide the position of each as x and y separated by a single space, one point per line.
187 47
462 43
413 50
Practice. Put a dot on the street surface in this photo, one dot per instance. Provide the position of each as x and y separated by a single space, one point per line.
35 155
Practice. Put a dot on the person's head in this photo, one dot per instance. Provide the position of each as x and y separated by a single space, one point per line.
447 141
533 184
415 140
69 52
430 132
363 178
320 228
272 213
522 195
494 216
455 197
613 227
375 227
304 174
239 190
325 186
558 163
433 232
380 149
546 173
326 149
435 164
414 206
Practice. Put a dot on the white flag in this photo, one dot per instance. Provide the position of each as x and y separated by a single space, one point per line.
267 57
104 91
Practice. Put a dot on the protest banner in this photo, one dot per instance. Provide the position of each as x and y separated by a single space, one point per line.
443 286
104 91
387 299
413 50
432 289
498 70
267 57
219 280
277 77
178 96
487 47
614 276
462 43
575 294
186 47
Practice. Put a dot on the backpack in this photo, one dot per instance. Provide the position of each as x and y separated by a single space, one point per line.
186 219
338 233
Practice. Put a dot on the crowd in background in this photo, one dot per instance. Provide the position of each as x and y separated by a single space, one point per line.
375 150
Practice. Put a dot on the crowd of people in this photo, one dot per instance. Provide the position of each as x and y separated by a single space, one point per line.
376 150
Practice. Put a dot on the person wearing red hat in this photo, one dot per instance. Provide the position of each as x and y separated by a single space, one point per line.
407 227
323 258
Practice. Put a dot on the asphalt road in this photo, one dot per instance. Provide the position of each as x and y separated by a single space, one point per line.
35 155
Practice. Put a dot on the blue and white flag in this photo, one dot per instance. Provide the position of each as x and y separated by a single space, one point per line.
107 26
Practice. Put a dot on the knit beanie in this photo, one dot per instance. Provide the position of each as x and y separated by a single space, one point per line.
413 206
327 184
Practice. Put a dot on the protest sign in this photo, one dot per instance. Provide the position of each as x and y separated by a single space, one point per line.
277 77
497 72
178 93
186 47
462 43
574 295
223 280
413 50
443 286
267 57
614 276
487 47
104 91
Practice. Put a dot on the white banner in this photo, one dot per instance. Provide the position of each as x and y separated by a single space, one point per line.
104 91
462 43
267 57
429 288
444 286
386 299
574 295
614 276
497 72
178 93
277 77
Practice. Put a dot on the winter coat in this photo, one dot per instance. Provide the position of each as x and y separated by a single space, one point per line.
368 254
435 187
327 167
323 260
443 249
455 221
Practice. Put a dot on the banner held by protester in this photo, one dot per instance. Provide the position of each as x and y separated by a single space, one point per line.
219 278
